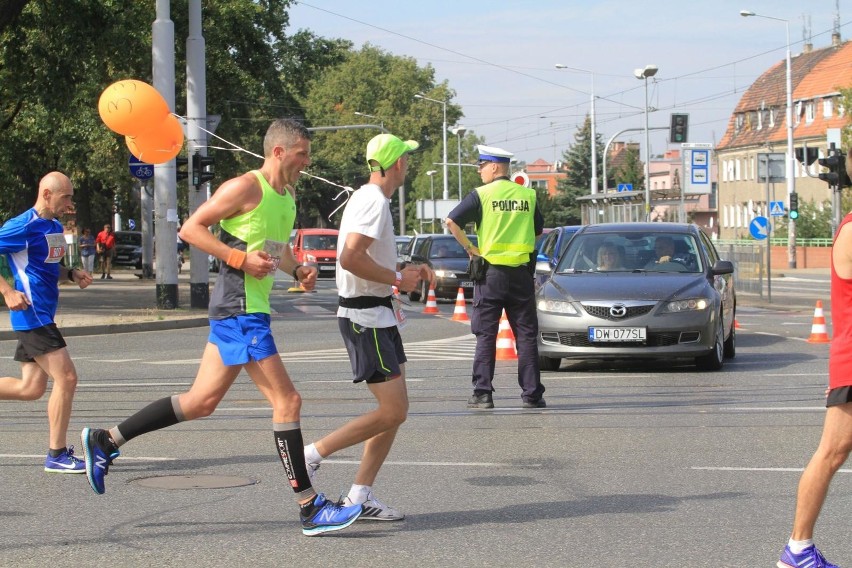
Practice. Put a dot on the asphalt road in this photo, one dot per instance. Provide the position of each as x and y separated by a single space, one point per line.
631 464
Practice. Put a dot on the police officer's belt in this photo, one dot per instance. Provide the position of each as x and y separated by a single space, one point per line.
364 302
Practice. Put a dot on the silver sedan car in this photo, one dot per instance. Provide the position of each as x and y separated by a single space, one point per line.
638 290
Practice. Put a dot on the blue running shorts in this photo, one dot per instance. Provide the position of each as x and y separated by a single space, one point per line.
243 338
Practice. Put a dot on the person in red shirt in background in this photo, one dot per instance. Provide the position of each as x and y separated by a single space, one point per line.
105 243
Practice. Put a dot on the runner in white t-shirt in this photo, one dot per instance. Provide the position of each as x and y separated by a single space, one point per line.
366 253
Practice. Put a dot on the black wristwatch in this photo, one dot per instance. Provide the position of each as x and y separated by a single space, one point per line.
298 266
71 274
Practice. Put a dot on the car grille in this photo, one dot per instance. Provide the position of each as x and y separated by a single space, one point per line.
326 259
604 311
581 339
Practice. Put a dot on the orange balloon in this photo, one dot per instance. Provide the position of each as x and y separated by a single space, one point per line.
132 107
159 145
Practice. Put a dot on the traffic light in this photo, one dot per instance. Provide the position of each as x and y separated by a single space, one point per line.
794 206
202 169
181 167
836 165
679 128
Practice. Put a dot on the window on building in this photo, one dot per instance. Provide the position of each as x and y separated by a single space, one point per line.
538 184
739 122
827 107
737 170
810 111
772 112
797 111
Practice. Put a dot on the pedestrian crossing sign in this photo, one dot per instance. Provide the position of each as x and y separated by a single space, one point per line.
776 208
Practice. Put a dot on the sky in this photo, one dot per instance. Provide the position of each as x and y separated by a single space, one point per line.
499 58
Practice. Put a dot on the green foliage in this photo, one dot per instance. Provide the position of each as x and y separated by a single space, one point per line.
578 157
373 82
814 221
632 170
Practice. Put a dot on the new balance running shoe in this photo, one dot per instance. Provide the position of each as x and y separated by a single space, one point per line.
328 516
808 558
375 510
66 462
99 455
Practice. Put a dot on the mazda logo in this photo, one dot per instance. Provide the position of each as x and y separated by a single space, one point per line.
618 311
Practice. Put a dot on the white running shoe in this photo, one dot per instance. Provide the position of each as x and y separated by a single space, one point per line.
375 510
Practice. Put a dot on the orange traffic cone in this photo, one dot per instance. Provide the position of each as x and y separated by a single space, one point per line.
431 302
737 324
506 350
818 331
460 313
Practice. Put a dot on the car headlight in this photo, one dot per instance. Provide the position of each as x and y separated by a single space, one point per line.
445 274
557 307
310 258
690 305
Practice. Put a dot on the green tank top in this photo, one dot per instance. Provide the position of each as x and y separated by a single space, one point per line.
268 227
506 234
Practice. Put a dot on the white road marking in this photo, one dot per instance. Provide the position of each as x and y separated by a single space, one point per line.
153 383
772 469
122 458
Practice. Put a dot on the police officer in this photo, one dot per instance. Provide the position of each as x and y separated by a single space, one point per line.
507 223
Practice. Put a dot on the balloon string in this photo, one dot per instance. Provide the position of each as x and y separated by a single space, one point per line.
236 148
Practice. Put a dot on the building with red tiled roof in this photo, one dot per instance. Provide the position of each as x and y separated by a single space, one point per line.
544 175
758 125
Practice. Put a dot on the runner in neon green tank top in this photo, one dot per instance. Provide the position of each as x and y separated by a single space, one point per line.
255 211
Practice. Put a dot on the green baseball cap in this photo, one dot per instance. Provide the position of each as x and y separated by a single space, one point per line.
385 149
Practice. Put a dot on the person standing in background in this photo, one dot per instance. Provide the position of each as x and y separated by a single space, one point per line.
87 250
105 242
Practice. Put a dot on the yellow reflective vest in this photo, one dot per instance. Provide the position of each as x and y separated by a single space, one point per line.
506 234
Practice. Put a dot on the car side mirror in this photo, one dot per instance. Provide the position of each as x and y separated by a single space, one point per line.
723 267
541 257
542 266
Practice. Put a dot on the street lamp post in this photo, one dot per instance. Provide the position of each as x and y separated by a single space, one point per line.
648 71
431 174
594 182
791 153
444 129
365 115
459 132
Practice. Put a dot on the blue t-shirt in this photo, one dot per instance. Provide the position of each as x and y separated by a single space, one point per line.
34 248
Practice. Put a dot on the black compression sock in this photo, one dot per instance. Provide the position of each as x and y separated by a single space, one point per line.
291 450
56 453
156 416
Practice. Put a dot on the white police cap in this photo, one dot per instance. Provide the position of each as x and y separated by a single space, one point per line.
492 154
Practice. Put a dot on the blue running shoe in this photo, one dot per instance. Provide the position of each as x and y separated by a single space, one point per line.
66 462
809 558
329 516
97 458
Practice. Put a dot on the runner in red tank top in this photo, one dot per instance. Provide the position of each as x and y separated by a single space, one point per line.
836 442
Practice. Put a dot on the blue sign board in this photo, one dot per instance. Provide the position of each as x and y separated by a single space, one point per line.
759 228
625 187
776 208
131 223
140 170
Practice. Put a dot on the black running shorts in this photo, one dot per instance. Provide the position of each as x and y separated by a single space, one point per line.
376 354
38 341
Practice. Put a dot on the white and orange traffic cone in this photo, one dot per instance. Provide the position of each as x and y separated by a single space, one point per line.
431 302
737 324
506 349
460 312
819 334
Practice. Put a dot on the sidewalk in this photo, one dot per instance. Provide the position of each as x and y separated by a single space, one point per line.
124 304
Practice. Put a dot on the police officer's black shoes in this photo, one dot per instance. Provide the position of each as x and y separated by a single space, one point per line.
480 401
535 403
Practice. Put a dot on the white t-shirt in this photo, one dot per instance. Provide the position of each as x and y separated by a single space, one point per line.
367 213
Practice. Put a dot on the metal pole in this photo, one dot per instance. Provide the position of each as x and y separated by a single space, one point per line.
165 198
196 119
647 159
768 239
458 159
791 157
594 141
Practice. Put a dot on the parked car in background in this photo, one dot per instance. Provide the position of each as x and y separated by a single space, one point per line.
551 248
613 295
128 249
449 261
318 247
401 242
414 245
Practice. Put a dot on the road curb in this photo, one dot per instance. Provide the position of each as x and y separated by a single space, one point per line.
103 329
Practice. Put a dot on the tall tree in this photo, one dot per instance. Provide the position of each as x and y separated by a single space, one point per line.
578 160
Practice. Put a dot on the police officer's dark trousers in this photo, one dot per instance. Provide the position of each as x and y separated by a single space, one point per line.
512 289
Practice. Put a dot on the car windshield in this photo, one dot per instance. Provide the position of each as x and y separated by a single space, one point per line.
320 242
631 252
447 248
128 239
